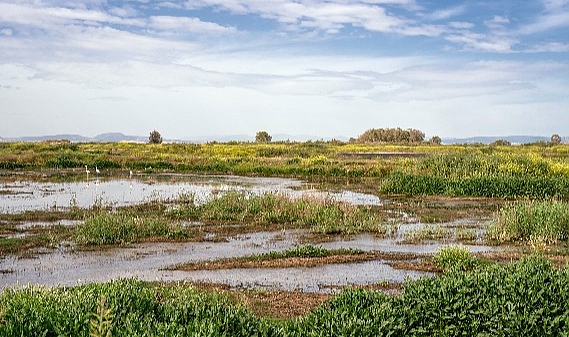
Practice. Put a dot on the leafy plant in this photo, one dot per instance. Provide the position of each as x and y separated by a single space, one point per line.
455 257
101 321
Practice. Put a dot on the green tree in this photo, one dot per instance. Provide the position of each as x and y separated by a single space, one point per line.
435 140
500 142
155 137
263 137
555 139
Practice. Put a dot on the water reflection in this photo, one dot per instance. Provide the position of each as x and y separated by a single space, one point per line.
149 261
23 196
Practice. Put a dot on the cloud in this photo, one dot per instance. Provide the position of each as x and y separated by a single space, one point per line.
554 16
446 13
498 22
551 47
186 24
329 16
483 42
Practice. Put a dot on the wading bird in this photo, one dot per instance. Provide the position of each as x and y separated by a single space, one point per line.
87 170
97 170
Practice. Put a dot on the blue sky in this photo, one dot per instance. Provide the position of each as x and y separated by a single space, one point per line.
322 68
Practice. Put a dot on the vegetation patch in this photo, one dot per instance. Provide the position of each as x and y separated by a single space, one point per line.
526 298
325 216
535 222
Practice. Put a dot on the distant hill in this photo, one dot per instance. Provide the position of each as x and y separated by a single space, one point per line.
120 137
105 137
488 140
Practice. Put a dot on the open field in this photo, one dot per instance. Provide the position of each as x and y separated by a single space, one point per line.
284 239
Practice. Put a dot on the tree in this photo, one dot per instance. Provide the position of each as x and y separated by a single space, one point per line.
435 140
555 139
155 137
263 137
391 135
500 142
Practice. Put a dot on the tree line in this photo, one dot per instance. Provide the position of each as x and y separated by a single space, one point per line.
391 135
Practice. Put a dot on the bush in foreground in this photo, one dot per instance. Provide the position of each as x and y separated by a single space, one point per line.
528 298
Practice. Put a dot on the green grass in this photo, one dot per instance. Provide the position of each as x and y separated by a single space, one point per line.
126 226
305 251
325 216
457 258
532 221
527 298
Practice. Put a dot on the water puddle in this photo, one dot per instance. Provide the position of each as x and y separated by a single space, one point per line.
17 197
149 261
65 265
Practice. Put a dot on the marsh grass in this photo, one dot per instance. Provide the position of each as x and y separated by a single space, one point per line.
535 222
324 215
305 251
125 226
456 258
428 232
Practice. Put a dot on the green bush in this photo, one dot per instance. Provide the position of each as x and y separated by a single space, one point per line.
527 298
453 258
536 221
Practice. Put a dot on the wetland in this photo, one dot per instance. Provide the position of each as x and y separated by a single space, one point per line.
281 231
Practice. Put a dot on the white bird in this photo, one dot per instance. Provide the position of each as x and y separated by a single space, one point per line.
97 170
130 171
87 170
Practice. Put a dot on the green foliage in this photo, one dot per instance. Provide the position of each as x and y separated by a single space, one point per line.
527 298
263 137
305 251
101 321
453 258
484 176
320 215
155 137
532 221
136 308
481 186
393 135
123 226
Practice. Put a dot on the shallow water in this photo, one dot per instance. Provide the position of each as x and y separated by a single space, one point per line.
67 266
16 197
148 261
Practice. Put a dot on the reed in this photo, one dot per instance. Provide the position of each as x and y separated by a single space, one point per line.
532 221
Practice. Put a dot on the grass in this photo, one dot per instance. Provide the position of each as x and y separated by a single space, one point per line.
456 258
427 232
324 216
544 222
533 171
125 226
526 298
299 256
305 251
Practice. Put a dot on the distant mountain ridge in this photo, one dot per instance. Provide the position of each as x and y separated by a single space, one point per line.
120 137
104 137
517 139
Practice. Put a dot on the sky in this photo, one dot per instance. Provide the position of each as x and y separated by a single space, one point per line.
327 69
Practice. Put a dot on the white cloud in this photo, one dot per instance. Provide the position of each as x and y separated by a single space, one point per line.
498 22
551 47
6 32
329 16
187 24
547 22
483 42
447 13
